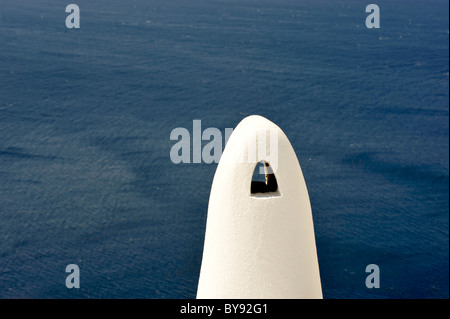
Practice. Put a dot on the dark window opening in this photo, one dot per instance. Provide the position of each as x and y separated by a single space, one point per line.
264 180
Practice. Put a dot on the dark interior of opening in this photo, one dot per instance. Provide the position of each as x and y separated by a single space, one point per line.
263 183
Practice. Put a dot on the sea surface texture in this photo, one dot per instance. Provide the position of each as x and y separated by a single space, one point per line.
86 114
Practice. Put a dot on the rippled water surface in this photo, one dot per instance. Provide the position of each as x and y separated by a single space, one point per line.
86 115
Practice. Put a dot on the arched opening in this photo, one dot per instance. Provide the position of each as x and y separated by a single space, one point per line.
264 181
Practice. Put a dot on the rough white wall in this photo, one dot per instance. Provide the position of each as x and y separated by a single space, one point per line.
258 246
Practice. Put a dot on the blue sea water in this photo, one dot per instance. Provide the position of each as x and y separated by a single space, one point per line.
86 115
